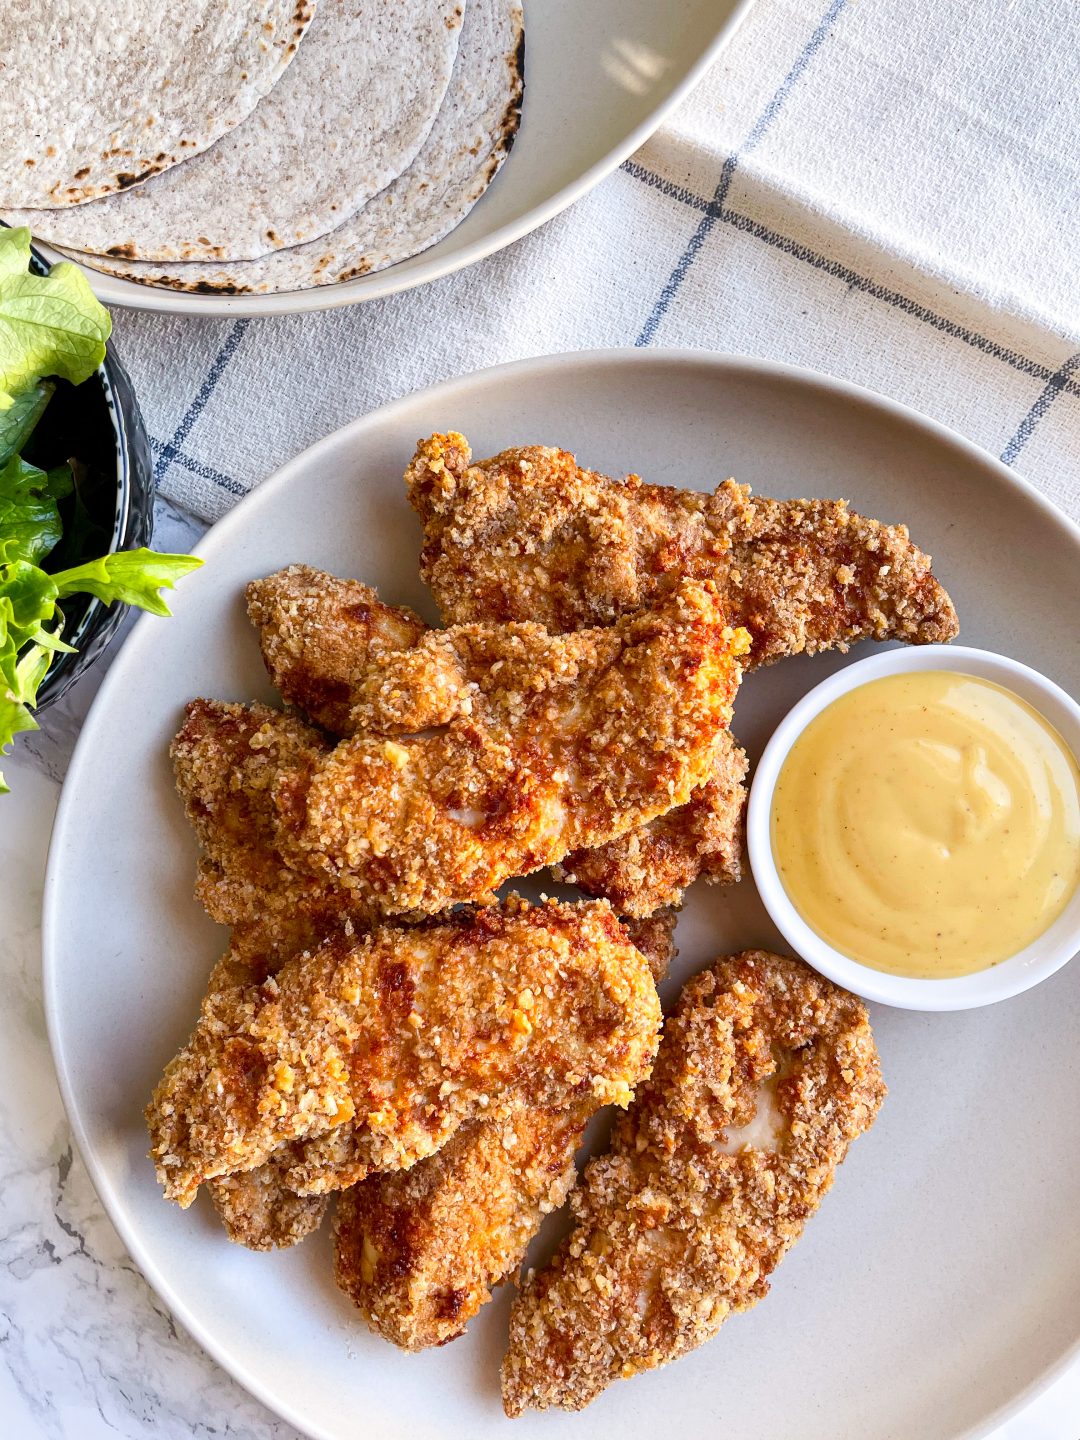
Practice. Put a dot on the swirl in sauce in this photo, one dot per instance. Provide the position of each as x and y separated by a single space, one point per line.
928 824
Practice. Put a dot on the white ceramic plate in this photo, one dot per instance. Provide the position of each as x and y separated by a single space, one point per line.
600 75
941 1281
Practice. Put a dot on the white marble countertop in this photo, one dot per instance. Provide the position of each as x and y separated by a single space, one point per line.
86 1349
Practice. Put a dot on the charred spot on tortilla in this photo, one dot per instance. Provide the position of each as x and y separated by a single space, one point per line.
206 287
215 67
519 61
125 179
220 202
433 195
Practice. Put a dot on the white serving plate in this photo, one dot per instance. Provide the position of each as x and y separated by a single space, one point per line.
939 1287
600 76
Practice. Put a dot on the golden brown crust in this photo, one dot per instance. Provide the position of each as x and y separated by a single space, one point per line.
529 533
342 1158
225 757
652 865
258 1209
407 1034
229 761
322 638
352 663
654 936
559 743
682 1222
420 1251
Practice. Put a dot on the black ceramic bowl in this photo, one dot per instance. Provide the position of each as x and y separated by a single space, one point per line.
98 425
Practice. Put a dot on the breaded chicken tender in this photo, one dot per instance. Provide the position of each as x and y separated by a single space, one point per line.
342 1157
257 1208
419 1251
529 534
407 1034
558 743
325 642
241 772
328 647
766 1074
652 865
225 757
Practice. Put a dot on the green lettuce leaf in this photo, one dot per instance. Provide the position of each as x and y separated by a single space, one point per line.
17 424
49 324
15 700
14 251
29 519
27 596
133 576
14 718
27 602
30 621
27 608
60 481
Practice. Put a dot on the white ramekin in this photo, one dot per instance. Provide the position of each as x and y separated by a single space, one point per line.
1038 960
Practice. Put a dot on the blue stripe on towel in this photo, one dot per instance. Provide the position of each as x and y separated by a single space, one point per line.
715 209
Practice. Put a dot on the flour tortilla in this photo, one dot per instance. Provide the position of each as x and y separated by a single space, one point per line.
468 143
348 117
98 95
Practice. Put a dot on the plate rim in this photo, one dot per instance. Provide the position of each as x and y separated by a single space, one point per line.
722 363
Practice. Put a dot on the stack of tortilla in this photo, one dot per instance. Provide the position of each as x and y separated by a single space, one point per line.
256 145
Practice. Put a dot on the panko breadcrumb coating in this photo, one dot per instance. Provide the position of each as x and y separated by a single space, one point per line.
408 1034
260 1212
324 641
329 646
766 1073
257 1208
332 1161
225 758
419 1251
241 771
559 743
652 865
654 936
528 534
342 1157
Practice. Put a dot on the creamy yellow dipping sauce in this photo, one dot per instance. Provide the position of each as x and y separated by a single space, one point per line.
928 824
